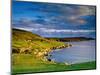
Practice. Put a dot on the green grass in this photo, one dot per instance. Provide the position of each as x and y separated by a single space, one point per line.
27 40
26 63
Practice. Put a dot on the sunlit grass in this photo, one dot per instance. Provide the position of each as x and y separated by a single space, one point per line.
26 63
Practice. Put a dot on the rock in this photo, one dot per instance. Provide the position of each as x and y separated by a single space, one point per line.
46 53
67 63
15 50
35 52
49 59
27 52
39 54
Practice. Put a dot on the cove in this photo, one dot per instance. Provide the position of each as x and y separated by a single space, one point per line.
82 51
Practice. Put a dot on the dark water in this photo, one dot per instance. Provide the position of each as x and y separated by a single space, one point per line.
83 51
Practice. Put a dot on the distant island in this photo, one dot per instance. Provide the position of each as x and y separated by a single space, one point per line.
69 39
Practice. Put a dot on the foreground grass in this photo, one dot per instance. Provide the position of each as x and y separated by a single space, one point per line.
26 63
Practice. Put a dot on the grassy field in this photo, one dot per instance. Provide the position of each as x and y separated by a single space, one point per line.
26 63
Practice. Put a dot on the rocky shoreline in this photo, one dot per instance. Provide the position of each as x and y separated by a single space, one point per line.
40 54
43 55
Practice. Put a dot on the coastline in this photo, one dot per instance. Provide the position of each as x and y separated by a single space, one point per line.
54 49
44 65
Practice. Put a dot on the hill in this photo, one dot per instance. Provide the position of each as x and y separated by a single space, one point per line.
68 39
27 42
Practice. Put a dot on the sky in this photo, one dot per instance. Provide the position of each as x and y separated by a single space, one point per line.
54 20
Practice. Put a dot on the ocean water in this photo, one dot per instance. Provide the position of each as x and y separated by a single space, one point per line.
83 51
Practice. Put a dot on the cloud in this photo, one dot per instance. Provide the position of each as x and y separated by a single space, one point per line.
50 18
87 10
77 20
51 13
27 29
65 31
45 32
56 30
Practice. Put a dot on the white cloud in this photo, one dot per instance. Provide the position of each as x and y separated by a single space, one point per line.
65 30
86 10
55 30
27 29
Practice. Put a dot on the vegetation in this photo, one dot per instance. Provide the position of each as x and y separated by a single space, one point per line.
27 42
26 63
29 53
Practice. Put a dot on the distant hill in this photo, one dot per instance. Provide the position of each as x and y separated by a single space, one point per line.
71 39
